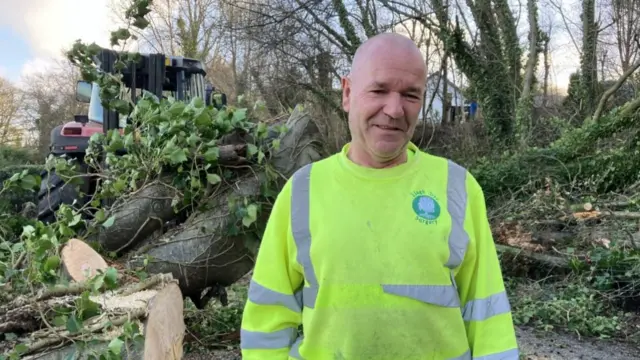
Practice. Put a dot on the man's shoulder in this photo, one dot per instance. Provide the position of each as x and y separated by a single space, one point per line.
453 168
303 173
316 164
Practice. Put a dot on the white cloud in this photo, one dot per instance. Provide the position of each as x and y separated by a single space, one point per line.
50 26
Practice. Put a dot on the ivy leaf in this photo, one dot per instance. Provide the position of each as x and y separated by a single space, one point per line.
99 215
111 278
252 211
238 116
252 149
28 182
115 346
86 307
52 263
76 220
97 283
176 108
212 154
73 324
21 348
60 320
193 139
178 156
252 215
109 222
213 179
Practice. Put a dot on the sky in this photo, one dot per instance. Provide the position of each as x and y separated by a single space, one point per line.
32 32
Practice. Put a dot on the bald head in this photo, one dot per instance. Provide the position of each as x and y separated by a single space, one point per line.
387 45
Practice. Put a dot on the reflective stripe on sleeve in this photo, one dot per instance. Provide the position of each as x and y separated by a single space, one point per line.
511 354
295 348
267 340
300 192
263 296
482 309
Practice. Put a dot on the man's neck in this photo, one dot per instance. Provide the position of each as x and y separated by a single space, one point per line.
362 158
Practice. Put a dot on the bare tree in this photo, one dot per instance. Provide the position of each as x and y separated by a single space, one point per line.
178 27
49 100
624 34
11 130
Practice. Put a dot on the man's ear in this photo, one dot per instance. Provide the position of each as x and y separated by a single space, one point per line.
346 92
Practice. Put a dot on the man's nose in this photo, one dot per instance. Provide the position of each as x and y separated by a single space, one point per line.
393 107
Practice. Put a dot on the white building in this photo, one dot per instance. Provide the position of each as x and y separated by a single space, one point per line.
435 84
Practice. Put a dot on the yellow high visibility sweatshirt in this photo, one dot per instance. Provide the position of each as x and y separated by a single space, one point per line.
390 264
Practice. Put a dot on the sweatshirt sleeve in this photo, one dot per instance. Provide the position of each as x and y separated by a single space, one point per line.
485 306
273 311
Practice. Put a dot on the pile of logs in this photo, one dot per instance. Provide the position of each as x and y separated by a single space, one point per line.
155 305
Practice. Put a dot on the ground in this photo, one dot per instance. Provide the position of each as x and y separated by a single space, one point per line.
563 346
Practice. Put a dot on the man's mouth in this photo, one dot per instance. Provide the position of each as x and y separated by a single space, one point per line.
388 127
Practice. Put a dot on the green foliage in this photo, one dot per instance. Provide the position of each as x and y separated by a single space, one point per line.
603 154
573 307
11 156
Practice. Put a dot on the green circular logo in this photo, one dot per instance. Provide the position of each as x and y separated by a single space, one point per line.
426 207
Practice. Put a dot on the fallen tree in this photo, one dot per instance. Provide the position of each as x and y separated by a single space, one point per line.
196 223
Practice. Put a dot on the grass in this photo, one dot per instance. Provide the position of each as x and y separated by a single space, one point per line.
571 306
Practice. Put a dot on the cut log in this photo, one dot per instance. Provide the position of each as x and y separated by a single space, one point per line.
164 328
138 216
154 305
80 261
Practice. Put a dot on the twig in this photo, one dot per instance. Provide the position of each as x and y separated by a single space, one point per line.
61 334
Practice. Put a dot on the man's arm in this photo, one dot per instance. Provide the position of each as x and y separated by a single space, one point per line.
273 310
485 306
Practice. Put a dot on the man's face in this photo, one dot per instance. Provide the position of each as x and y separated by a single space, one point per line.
383 99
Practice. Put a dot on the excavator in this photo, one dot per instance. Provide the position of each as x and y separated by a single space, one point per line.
175 76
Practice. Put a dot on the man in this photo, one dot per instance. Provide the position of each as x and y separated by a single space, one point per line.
380 251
